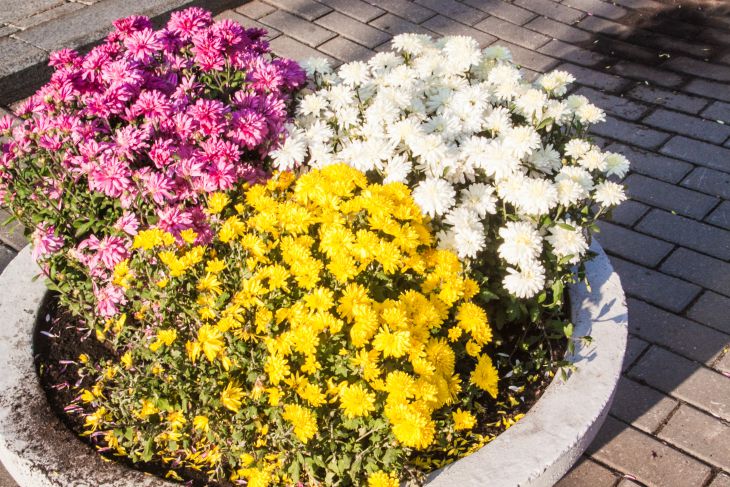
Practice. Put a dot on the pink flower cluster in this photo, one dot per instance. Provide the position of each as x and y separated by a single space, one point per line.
152 119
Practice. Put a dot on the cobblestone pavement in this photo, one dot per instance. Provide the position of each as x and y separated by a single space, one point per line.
661 71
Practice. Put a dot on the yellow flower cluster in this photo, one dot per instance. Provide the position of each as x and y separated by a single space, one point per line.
323 299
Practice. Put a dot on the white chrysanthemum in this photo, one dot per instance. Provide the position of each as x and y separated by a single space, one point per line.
313 104
521 140
354 73
321 155
567 241
382 110
526 282
430 150
406 129
479 197
522 243
576 148
397 169
546 159
317 65
341 97
384 61
556 82
570 192
609 193
577 174
531 103
411 43
434 196
593 160
505 79
536 197
292 151
346 117
469 242
575 102
557 111
590 114
318 133
509 187
462 52
498 161
498 121
364 155
616 165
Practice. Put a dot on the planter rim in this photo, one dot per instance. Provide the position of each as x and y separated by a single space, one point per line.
38 450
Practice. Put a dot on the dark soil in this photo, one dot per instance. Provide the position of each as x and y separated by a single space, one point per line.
60 338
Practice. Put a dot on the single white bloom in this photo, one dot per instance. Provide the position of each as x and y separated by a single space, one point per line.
317 65
558 111
497 52
434 196
354 73
521 140
397 169
498 121
384 61
575 102
499 161
462 52
616 165
526 282
313 104
292 151
570 192
566 242
546 159
411 43
536 197
593 160
479 197
590 113
319 132
609 193
556 82
531 103
341 97
469 242
521 244
576 148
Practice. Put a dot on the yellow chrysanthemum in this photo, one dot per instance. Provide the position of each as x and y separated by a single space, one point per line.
356 401
217 202
383 479
231 397
485 375
303 420
463 420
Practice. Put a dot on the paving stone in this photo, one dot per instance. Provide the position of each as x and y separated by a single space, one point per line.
353 30
574 54
406 9
626 482
669 197
285 46
720 216
683 336
687 233
685 380
630 133
722 480
652 164
587 472
640 4
706 271
558 30
530 59
629 51
698 152
454 10
507 11
11 234
646 73
308 9
709 181
358 9
635 346
641 406
597 7
22 69
552 10
448 27
599 25
650 461
699 434
699 68
595 79
628 212
394 25
46 15
668 99
255 9
616 105
512 33
652 286
6 30
710 89
712 310
632 245
14 10
687 125
723 365
247 22
90 24
718 111
298 28
346 50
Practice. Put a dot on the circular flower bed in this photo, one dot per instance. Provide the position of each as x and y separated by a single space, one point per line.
386 302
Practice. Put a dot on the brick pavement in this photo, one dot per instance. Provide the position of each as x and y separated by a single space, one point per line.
661 72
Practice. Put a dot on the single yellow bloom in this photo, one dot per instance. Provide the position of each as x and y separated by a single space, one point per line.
231 397
127 360
463 420
485 376
303 420
383 479
201 423
217 202
356 401
189 235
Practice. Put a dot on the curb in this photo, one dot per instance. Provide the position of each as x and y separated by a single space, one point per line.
39 451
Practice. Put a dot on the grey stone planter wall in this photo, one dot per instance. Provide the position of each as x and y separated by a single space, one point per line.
38 450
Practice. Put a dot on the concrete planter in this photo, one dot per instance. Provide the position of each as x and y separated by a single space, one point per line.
39 451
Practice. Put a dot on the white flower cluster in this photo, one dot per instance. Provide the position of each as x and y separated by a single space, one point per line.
479 146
